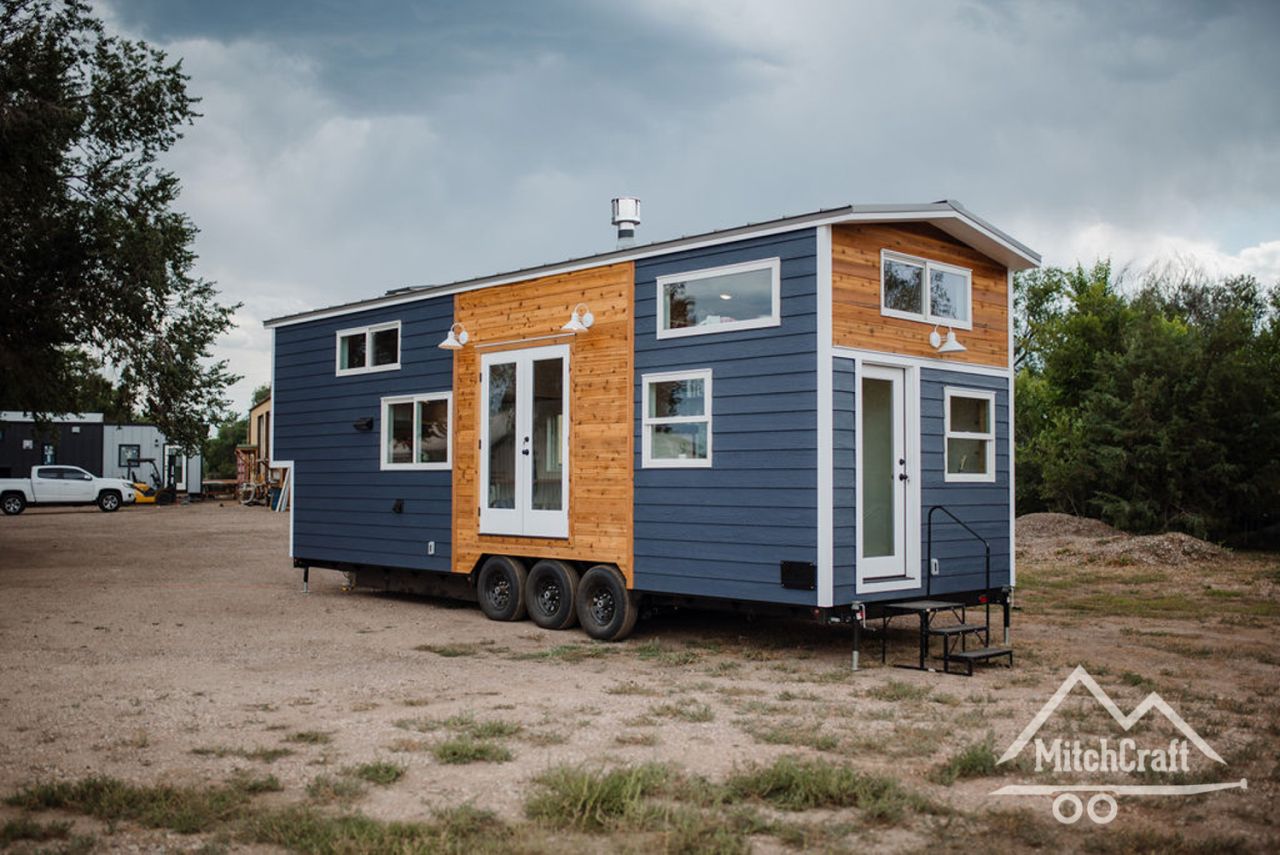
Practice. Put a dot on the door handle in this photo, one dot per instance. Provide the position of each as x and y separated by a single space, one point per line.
902 476
525 450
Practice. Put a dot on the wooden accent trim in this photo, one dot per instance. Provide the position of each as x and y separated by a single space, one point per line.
855 284
602 427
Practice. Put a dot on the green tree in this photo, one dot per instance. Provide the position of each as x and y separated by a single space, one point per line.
95 265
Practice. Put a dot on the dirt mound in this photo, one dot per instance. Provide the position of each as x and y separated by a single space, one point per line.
1062 536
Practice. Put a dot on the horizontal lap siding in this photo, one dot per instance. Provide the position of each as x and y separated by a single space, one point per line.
844 508
723 531
342 502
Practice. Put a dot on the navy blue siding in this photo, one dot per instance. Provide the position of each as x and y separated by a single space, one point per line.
342 499
983 506
844 506
723 531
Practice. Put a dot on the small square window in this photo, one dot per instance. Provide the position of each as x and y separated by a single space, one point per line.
367 349
970 435
127 455
677 420
416 431
720 299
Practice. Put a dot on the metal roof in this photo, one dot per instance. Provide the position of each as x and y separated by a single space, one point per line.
948 215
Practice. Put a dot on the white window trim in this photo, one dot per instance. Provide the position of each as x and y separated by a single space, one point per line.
647 460
989 396
385 428
928 317
774 319
368 348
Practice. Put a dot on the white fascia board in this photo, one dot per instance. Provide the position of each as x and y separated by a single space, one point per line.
826 424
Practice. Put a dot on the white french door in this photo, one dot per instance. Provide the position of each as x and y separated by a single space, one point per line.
524 442
888 476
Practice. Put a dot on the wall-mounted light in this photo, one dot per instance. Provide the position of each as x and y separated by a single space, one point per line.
949 345
456 338
581 319
365 423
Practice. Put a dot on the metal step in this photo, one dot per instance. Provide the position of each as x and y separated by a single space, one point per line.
914 606
958 629
983 653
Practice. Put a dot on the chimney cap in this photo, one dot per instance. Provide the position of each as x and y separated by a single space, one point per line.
626 211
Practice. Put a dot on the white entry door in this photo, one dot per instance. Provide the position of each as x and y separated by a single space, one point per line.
524 442
886 475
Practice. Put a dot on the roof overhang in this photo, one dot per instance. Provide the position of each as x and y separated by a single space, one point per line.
949 216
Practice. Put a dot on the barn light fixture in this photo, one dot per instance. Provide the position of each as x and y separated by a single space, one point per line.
950 345
456 338
581 319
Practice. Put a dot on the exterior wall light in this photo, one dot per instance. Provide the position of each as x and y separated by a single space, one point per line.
581 319
456 338
950 345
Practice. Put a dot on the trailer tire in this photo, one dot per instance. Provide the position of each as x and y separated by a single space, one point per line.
606 609
108 501
500 588
13 504
551 593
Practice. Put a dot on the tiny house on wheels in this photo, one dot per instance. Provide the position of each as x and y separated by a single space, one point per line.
811 414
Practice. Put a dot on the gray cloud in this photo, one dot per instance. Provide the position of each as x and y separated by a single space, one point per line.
347 148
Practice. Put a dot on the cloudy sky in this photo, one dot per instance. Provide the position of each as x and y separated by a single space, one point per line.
351 146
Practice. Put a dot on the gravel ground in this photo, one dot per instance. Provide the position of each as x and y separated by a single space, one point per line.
146 643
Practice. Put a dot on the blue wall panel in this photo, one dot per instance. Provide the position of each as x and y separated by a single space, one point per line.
342 499
844 506
723 531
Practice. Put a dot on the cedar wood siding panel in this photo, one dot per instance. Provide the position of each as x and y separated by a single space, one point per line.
855 279
342 498
722 531
983 506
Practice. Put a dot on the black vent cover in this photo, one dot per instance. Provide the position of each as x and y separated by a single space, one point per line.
801 575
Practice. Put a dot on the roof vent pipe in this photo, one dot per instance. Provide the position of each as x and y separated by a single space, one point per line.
626 216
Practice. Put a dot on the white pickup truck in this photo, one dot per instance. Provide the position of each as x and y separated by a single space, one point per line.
63 485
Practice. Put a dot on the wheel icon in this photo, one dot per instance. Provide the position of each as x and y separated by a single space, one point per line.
1067 808
1108 813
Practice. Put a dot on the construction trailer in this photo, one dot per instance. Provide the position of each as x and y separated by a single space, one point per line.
810 414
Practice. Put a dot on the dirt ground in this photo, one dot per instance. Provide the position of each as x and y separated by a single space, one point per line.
174 646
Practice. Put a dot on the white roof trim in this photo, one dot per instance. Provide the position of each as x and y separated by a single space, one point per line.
949 216
65 418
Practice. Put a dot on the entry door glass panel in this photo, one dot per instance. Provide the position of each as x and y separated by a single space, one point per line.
882 485
525 447
501 448
548 434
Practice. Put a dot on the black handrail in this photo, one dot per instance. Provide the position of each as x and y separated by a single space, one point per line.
985 545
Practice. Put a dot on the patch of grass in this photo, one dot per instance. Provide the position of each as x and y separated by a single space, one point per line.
653 651
262 755
330 788
569 652
464 724
798 784
646 738
1149 841
302 829
899 690
543 738
582 799
685 709
631 688
1129 678
310 737
788 695
465 749
186 810
976 760
724 668
409 745
26 828
380 772
809 735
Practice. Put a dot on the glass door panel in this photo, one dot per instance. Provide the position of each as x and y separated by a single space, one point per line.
501 447
882 479
548 434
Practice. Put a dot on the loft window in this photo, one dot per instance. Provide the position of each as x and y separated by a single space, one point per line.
677 420
415 431
970 435
127 455
720 299
921 290
366 349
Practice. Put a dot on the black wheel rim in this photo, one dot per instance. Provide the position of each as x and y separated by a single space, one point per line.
547 596
602 605
499 592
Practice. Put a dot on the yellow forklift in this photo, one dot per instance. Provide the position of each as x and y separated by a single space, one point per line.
159 492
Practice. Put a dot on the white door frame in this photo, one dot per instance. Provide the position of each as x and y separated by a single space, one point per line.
523 520
876 575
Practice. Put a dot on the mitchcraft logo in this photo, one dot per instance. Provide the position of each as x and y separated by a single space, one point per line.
1103 755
